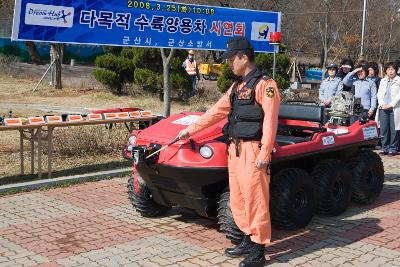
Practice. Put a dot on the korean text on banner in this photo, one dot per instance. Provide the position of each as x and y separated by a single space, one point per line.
141 23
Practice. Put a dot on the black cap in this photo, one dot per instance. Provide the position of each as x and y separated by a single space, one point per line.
364 66
331 66
236 45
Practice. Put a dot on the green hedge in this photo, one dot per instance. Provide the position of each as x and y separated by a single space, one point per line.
226 79
180 81
142 66
264 62
121 70
145 58
148 80
113 50
13 50
122 66
108 78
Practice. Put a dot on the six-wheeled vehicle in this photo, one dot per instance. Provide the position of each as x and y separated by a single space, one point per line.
317 167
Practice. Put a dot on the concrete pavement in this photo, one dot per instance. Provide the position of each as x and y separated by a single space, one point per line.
94 224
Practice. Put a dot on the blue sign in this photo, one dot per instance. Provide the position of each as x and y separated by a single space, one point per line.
141 23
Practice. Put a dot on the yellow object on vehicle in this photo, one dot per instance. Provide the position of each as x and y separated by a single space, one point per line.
204 69
210 71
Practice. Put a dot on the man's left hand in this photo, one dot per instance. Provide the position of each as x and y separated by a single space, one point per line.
262 163
357 70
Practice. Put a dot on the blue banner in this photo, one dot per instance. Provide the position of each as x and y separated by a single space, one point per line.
141 23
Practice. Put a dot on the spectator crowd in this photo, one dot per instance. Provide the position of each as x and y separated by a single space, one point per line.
378 87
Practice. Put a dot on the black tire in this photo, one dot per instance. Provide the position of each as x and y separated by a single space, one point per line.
225 220
368 177
332 187
206 77
213 77
292 199
142 201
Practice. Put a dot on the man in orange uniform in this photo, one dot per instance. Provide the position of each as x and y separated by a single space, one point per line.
252 106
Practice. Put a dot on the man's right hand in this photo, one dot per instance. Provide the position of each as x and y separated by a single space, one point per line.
184 134
327 102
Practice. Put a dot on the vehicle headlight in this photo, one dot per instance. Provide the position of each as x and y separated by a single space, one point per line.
206 152
132 140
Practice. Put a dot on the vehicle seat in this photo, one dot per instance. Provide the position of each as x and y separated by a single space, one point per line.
302 112
296 112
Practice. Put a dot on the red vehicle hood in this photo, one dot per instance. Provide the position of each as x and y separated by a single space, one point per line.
167 129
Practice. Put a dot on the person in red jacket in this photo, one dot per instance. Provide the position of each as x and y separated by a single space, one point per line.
251 106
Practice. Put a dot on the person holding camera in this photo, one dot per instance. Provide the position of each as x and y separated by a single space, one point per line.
362 87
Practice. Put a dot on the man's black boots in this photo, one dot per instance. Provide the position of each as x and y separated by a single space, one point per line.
256 258
242 249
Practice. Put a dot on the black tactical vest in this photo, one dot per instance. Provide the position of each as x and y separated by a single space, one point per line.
246 116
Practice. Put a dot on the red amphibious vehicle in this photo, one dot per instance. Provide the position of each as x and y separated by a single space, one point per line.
316 167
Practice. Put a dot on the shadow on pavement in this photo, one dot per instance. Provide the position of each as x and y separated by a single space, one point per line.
323 232
358 222
68 172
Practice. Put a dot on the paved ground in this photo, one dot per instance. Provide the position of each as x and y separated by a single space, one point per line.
94 225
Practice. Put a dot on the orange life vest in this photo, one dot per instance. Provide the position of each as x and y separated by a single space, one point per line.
191 67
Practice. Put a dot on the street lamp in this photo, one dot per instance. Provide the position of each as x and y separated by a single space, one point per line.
275 41
363 28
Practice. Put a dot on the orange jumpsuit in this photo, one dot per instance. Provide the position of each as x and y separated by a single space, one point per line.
249 186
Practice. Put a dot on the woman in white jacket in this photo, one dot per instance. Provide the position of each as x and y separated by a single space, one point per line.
388 114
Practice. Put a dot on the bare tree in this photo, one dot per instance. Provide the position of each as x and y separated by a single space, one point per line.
56 50
33 52
383 30
167 95
8 6
331 26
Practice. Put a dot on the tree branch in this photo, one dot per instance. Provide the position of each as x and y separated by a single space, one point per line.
171 55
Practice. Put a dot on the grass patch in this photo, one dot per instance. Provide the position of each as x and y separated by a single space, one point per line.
77 150
94 140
